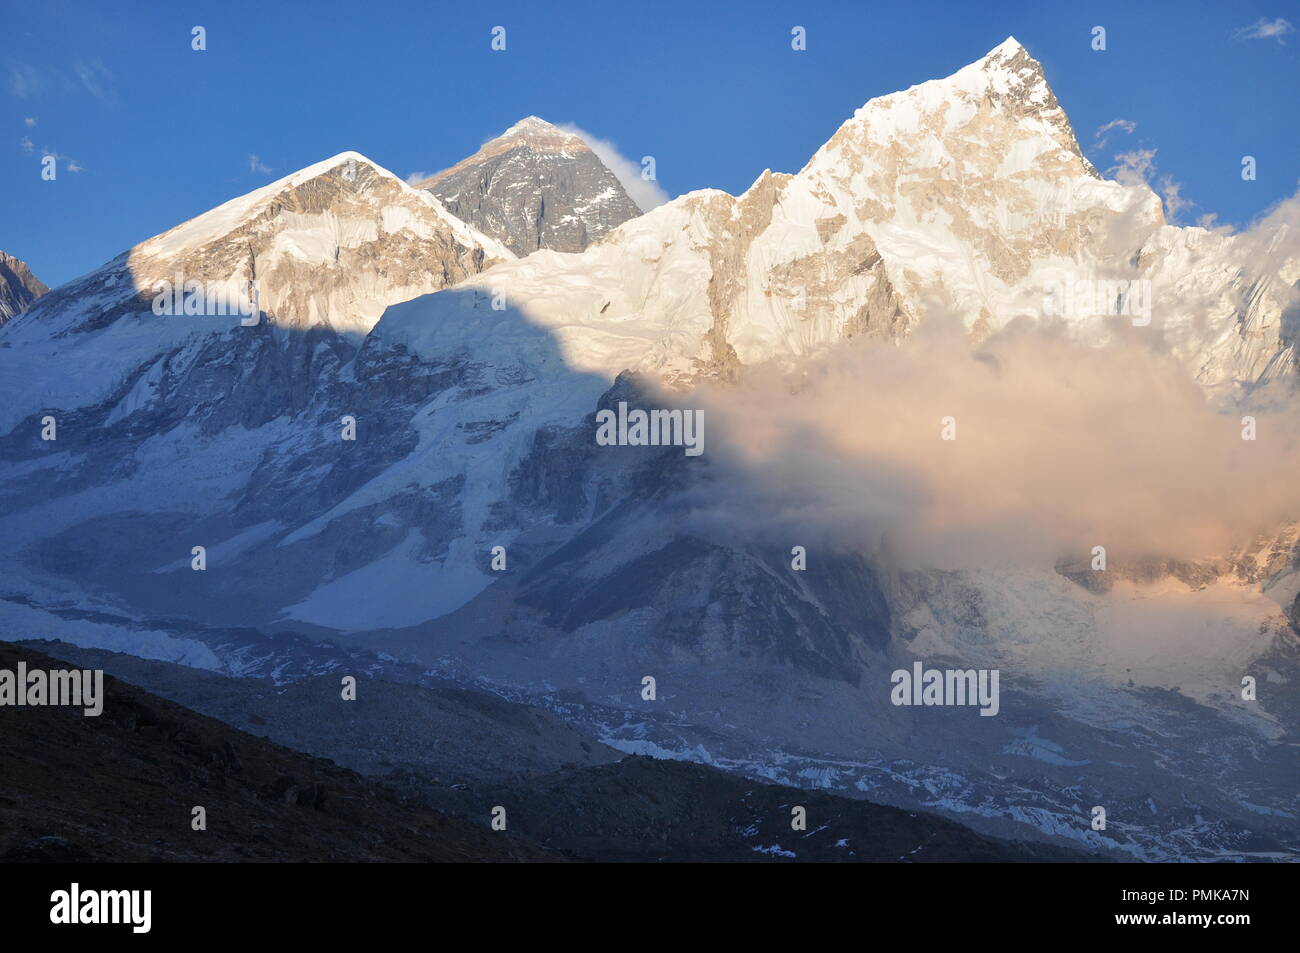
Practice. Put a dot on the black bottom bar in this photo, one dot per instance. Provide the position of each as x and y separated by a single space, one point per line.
332 902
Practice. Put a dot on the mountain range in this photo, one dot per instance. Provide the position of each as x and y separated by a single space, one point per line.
471 326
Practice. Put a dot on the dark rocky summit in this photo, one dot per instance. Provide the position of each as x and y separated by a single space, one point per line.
535 186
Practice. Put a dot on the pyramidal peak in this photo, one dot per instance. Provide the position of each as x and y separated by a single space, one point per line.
535 186
1010 66
1010 43
541 136
535 126
1007 49
345 158
1007 75
1002 97
531 132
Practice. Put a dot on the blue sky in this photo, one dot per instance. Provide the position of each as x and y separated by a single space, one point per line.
713 91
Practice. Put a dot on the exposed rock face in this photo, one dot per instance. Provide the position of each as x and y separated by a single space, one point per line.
18 287
535 186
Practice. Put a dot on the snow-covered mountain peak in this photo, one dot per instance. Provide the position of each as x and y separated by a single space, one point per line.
343 184
328 247
1011 59
543 135
1007 70
1007 48
531 133
527 123
1007 84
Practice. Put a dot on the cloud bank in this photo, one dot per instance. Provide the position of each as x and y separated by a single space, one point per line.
1059 447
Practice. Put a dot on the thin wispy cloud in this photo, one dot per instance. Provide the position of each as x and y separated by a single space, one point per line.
1172 193
1266 29
646 193
415 178
1138 167
68 163
1134 167
29 121
1102 136
97 80
257 166
26 143
27 81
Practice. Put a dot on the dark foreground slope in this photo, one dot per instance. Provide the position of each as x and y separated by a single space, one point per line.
463 753
443 733
650 809
121 787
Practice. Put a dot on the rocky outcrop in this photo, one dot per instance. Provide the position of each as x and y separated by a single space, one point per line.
18 287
